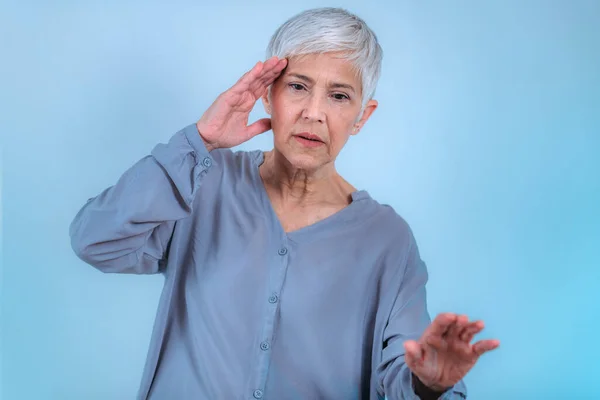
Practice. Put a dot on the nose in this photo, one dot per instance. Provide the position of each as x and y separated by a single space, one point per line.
313 110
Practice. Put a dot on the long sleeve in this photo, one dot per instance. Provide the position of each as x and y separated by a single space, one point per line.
127 227
407 321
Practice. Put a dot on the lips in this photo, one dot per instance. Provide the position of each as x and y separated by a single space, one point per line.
309 136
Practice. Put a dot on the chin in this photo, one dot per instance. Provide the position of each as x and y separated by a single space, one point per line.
304 161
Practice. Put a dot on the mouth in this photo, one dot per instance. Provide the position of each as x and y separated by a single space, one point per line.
309 137
308 140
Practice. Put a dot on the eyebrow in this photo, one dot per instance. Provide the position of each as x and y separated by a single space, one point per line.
336 85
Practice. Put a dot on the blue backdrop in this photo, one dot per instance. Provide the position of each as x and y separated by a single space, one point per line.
489 120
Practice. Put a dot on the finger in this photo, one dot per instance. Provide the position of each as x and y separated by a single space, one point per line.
440 325
456 328
251 80
271 77
437 342
454 339
258 127
248 78
278 67
271 63
471 330
273 69
270 67
485 345
413 355
255 82
274 65
259 87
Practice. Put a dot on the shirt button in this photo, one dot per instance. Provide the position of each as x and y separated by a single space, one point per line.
207 162
258 394
282 251
273 298
264 346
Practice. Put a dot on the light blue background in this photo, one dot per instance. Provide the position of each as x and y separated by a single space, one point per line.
487 141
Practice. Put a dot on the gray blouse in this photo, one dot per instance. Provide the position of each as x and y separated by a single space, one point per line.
249 311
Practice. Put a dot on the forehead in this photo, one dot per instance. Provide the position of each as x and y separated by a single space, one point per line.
326 66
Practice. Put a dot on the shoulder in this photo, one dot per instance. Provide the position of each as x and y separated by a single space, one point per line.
388 238
385 225
236 163
235 158
389 222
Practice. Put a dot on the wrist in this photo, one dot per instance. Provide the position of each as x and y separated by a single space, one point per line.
209 146
427 390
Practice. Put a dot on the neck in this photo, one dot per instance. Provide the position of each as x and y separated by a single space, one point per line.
295 186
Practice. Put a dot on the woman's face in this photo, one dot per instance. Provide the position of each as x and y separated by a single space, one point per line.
315 106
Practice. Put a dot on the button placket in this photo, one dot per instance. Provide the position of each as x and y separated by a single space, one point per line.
265 346
206 163
278 272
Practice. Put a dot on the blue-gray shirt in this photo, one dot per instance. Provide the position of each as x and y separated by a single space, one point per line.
249 311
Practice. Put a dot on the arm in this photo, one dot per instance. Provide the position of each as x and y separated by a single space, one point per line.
128 226
407 321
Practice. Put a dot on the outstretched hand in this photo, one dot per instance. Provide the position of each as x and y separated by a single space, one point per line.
444 353
225 123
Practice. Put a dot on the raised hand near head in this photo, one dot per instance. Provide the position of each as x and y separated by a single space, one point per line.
225 122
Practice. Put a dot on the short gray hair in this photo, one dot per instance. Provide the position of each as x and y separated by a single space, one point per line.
329 29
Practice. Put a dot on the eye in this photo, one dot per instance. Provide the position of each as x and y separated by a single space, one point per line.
340 97
296 86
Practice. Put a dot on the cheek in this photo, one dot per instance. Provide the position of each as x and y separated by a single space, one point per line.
342 124
283 115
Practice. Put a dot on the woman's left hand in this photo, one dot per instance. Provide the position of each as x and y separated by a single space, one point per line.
444 354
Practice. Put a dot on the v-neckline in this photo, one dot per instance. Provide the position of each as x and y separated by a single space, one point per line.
340 217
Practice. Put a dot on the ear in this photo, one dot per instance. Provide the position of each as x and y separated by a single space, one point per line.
266 100
368 110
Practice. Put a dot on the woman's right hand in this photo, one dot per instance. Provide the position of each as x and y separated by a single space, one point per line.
225 123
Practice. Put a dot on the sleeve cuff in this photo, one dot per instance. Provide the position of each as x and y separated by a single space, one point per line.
456 392
193 137
203 156
186 160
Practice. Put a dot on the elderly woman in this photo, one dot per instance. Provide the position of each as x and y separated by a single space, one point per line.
282 280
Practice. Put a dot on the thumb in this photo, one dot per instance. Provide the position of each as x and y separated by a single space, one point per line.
258 127
413 353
